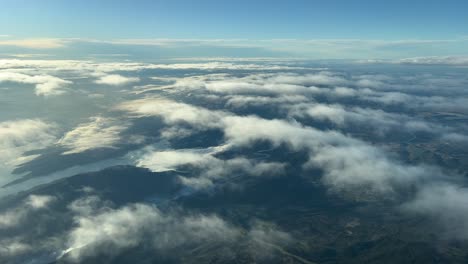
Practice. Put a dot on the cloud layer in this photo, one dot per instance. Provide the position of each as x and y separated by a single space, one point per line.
361 134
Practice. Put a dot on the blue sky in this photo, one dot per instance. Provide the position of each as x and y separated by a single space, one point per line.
363 20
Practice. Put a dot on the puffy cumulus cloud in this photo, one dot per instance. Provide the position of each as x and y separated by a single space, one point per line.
110 231
173 112
272 84
100 132
379 120
18 215
97 227
446 204
333 113
418 85
380 89
355 167
46 85
375 88
20 136
171 159
129 226
409 92
246 130
328 84
245 101
39 201
389 98
286 82
401 96
213 168
210 167
116 80
347 163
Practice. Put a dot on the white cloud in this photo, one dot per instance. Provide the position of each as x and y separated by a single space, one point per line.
17 137
173 112
373 88
274 84
18 215
321 78
245 101
102 230
245 130
380 121
38 43
211 167
39 201
382 89
236 87
333 113
46 85
446 204
169 160
110 231
347 163
220 65
116 80
87 68
355 167
100 132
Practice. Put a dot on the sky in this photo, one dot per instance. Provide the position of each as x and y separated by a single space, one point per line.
441 25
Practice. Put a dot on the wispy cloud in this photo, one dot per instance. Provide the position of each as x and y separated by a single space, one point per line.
39 43
100 132
430 60
308 48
